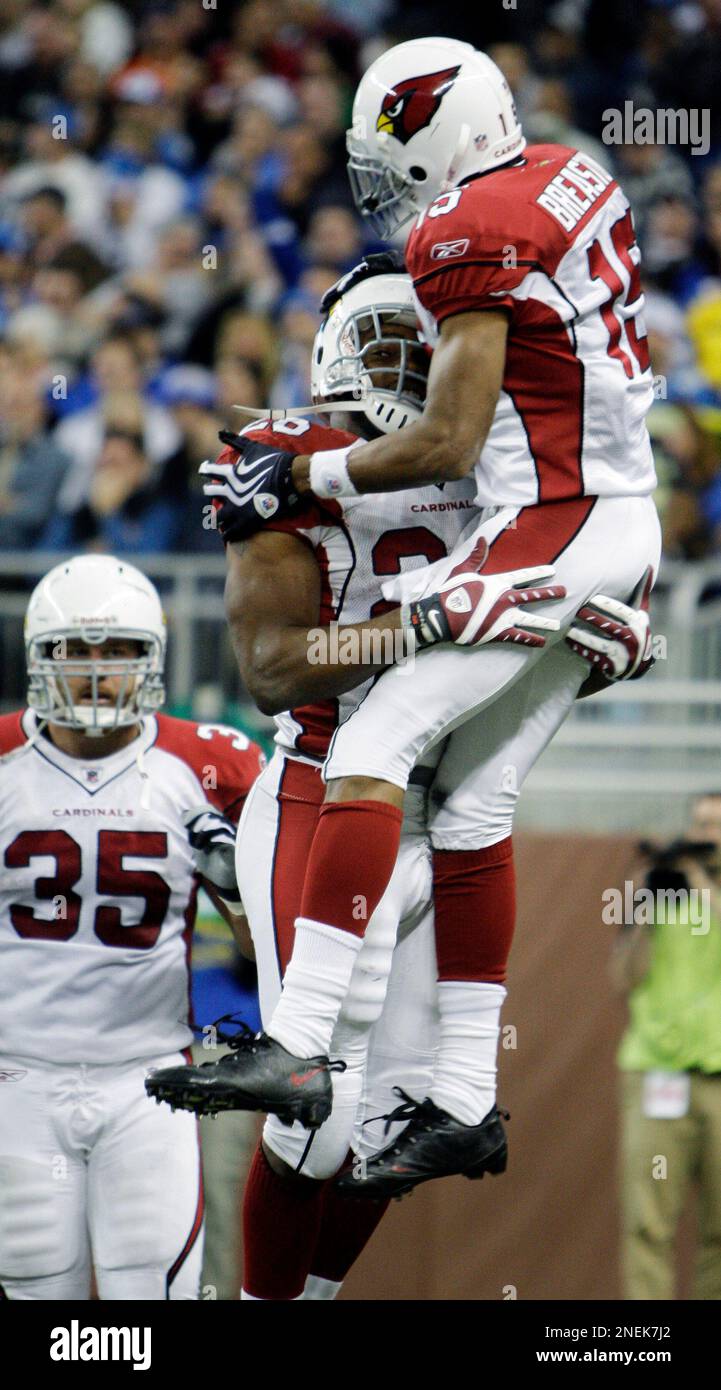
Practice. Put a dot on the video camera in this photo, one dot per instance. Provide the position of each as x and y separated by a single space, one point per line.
663 859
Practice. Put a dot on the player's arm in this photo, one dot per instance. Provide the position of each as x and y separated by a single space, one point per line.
445 444
464 383
237 921
272 601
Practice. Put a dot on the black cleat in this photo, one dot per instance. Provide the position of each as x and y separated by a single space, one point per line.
433 1145
257 1075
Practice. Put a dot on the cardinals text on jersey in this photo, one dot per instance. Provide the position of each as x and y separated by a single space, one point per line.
549 241
358 542
98 889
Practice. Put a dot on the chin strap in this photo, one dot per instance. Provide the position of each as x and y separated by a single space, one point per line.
464 140
144 774
284 413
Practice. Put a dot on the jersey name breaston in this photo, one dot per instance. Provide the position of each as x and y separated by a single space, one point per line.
574 190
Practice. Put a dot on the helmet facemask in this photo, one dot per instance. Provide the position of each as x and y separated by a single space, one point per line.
90 708
385 197
381 363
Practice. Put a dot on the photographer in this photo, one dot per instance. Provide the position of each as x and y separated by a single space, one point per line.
670 1060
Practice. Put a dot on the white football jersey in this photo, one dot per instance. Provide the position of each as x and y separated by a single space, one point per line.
549 241
359 542
98 888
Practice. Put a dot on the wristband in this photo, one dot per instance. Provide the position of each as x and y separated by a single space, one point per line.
425 619
329 473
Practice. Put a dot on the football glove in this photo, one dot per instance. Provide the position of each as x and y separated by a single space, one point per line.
249 484
469 609
212 840
618 641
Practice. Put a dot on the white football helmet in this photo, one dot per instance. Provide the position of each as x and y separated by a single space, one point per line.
94 598
349 348
426 115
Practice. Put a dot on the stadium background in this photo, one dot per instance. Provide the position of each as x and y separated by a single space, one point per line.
173 203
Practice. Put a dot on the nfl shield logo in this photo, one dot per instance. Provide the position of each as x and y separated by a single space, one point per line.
265 503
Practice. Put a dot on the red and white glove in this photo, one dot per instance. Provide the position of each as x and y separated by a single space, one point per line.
619 643
469 610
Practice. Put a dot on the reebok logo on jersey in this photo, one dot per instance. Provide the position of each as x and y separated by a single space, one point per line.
76 1343
446 250
459 601
12 1075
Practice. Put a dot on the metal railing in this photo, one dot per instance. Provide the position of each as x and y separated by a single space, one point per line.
628 758
632 757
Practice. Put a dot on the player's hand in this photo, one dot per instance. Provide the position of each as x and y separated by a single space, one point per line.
471 609
250 485
618 641
212 840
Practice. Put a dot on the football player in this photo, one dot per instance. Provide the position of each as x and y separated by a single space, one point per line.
526 273
320 568
99 885
326 564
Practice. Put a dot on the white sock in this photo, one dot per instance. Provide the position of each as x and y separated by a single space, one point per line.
317 1288
464 1077
315 985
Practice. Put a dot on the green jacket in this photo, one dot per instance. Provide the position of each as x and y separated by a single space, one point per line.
675 1022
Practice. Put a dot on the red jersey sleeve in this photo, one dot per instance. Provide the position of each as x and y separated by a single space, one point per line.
11 732
472 251
225 761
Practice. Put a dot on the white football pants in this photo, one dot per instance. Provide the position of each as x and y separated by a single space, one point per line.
94 1173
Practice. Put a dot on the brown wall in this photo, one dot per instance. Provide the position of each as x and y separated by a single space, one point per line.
549 1225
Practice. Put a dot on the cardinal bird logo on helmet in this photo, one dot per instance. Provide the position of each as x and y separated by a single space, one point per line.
412 104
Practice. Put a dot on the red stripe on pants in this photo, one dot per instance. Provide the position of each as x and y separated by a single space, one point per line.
195 1228
539 536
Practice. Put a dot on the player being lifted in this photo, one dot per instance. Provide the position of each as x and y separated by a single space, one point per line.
326 563
99 883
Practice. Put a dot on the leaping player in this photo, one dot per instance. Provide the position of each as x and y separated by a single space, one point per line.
327 562
526 271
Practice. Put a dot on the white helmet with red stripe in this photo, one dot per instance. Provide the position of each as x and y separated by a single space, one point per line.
426 115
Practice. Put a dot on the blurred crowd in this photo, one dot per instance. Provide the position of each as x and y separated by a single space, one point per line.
174 203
